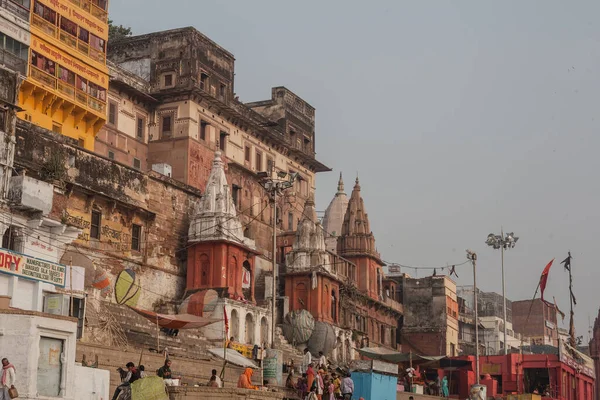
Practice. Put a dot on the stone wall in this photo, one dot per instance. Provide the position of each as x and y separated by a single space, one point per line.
199 393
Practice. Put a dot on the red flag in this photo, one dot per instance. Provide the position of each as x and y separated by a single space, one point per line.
544 278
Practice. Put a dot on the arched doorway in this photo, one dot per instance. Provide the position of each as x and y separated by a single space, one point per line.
264 331
301 301
204 269
249 336
235 325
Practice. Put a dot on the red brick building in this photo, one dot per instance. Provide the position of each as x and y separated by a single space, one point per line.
595 349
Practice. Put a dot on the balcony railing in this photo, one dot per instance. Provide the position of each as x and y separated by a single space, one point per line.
15 9
93 9
67 90
68 39
13 62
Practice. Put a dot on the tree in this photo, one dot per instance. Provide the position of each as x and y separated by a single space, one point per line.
116 32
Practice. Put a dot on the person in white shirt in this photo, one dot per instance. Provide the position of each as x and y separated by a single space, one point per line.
8 379
216 379
306 360
322 360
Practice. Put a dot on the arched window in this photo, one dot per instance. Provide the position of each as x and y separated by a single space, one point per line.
333 306
383 331
204 269
301 301
249 329
326 304
231 271
235 325
246 280
264 331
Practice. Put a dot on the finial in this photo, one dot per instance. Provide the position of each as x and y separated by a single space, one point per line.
340 184
217 161
357 183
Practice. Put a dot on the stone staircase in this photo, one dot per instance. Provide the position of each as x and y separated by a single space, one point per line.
289 351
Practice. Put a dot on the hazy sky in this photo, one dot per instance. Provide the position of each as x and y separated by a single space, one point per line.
460 118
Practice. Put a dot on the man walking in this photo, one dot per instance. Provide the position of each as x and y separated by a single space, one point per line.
347 387
306 361
8 379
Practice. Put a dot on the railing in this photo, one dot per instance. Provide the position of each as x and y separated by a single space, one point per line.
16 9
52 30
43 25
68 90
93 9
13 62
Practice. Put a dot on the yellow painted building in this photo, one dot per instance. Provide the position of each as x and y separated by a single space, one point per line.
67 80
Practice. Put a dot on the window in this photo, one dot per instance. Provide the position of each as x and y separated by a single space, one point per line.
270 164
112 113
136 237
168 80
222 141
15 47
13 239
258 161
111 154
290 221
68 26
57 128
137 164
203 81
77 312
235 194
95 225
84 35
45 12
140 127
81 142
167 121
203 127
247 153
222 88
97 43
3 119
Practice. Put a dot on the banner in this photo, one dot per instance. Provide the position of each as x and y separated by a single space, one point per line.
32 268
575 359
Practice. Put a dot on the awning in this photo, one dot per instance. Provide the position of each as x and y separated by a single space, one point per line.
383 354
233 357
180 321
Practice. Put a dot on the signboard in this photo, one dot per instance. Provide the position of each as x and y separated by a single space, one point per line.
32 268
73 64
583 364
243 349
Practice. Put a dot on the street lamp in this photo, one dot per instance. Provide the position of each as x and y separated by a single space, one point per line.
275 186
472 256
502 242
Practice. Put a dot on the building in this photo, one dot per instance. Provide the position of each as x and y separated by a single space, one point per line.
334 216
595 349
563 373
430 316
375 316
15 36
536 320
67 79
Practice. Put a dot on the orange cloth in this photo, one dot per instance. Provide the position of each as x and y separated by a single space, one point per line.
310 375
245 381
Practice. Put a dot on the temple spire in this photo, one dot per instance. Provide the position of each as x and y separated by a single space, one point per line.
340 185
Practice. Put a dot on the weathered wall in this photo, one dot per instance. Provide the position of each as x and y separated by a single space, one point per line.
20 334
539 324
199 393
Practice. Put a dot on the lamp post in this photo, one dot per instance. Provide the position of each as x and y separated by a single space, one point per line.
502 242
274 185
472 256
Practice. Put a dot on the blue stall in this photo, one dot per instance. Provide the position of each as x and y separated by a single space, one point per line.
374 380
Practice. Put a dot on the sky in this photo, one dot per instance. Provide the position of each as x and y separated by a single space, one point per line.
460 118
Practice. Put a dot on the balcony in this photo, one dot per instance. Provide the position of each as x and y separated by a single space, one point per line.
16 9
93 8
67 90
31 194
13 62
394 305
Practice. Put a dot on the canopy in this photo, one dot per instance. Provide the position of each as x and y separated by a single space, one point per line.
233 357
179 321
383 354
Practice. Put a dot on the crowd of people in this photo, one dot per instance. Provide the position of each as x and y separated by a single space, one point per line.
319 382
